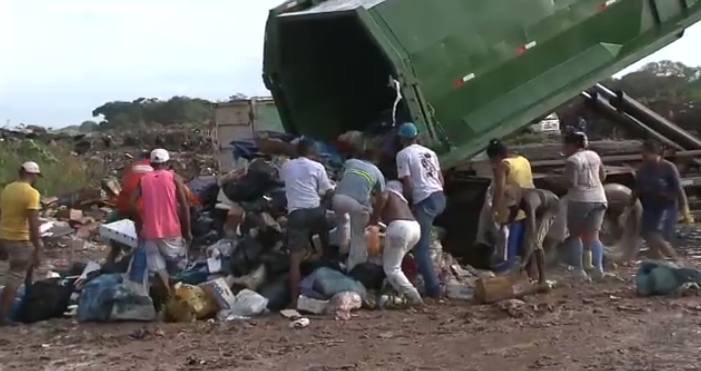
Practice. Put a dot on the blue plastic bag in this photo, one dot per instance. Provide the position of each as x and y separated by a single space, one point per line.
328 282
97 298
656 277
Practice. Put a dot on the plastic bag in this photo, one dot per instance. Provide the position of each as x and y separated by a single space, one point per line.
97 297
329 282
128 306
658 277
343 303
249 303
137 276
190 303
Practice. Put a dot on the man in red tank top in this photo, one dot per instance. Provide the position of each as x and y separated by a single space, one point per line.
163 224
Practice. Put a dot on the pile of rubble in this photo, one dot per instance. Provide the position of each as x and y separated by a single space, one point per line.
238 264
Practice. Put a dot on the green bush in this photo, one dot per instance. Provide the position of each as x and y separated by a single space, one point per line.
62 171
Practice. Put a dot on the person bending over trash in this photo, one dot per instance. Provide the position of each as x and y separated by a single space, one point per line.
163 223
587 203
402 234
660 190
360 180
420 172
540 207
509 169
20 240
306 182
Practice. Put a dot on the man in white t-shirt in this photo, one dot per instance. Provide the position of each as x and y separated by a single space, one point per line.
306 182
420 173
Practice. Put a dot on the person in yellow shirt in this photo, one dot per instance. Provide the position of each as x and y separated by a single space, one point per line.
20 240
509 169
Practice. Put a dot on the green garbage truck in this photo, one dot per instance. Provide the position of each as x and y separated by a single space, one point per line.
464 71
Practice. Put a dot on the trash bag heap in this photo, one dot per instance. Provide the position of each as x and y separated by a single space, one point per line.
238 265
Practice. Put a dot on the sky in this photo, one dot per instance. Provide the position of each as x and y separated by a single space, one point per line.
61 59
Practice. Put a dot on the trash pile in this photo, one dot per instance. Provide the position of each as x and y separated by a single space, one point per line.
237 266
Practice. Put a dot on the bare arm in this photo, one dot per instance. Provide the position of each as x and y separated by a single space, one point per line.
531 233
404 174
183 206
677 182
500 173
34 232
378 206
570 177
136 216
602 173
34 224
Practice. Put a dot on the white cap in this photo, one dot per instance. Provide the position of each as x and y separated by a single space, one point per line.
159 156
31 167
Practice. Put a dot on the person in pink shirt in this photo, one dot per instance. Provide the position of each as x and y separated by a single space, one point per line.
163 224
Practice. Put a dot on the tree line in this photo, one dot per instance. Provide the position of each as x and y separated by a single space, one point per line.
672 89
146 111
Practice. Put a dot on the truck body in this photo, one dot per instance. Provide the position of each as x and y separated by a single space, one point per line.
467 71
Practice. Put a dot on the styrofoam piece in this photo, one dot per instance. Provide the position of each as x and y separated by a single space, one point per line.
122 231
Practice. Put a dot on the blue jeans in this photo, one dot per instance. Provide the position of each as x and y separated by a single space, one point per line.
425 213
516 231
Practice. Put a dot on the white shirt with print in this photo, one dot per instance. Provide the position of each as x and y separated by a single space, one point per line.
421 165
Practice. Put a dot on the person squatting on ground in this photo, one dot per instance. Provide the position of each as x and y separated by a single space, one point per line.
540 207
163 223
401 235
21 246
508 169
306 182
420 172
660 190
586 205
361 183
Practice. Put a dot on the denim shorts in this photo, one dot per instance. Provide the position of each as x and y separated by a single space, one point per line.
659 220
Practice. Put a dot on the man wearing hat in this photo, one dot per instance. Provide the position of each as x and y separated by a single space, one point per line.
20 240
163 223
420 172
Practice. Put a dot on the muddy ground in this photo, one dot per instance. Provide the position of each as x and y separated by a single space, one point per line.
578 326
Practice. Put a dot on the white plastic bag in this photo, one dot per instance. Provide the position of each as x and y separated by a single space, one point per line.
249 303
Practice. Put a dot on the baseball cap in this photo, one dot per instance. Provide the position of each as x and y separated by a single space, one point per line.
159 156
408 130
31 167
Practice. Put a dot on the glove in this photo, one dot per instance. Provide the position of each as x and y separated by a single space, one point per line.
687 218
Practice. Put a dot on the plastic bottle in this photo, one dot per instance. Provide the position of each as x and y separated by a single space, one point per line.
372 235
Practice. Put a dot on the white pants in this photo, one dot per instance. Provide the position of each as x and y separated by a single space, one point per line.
353 218
400 238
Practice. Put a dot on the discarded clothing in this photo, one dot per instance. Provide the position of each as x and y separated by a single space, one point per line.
657 277
324 283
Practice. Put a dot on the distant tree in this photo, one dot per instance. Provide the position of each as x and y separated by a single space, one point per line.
237 96
88 126
145 111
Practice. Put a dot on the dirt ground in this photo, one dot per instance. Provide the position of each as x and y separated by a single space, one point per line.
578 326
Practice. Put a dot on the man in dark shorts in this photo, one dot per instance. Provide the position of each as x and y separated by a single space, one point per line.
659 188
402 234
541 207
306 182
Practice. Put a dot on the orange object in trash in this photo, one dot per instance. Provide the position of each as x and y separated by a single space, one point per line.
372 235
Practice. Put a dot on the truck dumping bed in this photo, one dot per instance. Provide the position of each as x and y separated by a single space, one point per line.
468 70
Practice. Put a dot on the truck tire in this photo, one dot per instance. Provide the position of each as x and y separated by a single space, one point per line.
620 232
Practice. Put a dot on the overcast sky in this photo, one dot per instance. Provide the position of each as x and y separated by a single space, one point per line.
62 58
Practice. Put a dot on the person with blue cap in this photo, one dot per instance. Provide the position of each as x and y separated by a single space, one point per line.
420 172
